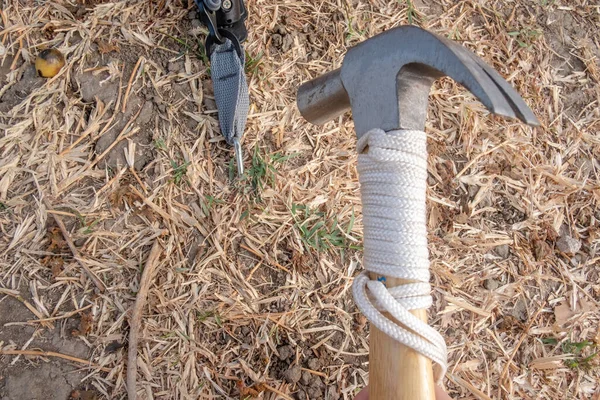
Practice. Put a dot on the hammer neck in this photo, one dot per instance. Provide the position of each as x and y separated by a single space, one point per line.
413 97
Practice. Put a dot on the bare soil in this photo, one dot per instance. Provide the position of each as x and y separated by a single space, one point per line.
35 379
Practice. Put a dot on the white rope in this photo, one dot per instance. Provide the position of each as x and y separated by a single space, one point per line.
392 170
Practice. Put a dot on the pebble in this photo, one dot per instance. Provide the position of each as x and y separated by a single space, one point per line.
285 352
210 104
314 393
196 23
491 284
568 244
318 382
175 66
276 39
314 364
293 374
519 310
280 29
145 115
306 377
332 393
503 251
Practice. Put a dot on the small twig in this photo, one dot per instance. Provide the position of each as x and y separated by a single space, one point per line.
112 180
37 353
479 156
130 157
119 138
321 374
99 284
139 181
67 315
129 84
150 204
136 317
277 391
17 54
461 382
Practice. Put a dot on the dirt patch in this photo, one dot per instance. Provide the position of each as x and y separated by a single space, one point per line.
27 82
4 71
35 382
519 310
33 378
137 115
284 38
13 311
97 86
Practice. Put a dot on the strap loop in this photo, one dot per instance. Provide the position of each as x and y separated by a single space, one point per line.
211 41
231 89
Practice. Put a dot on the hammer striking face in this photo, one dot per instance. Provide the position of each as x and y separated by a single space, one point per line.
385 81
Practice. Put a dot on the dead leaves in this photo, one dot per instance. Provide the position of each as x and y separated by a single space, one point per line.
55 263
301 261
564 313
541 242
114 346
105 47
252 392
541 249
509 324
85 325
48 31
57 242
57 246
84 395
123 196
360 322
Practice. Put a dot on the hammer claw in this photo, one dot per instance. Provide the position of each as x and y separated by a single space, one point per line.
481 80
520 109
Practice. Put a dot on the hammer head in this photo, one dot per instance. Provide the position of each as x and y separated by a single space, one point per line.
386 82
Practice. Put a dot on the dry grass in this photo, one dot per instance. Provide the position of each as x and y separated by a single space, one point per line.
250 266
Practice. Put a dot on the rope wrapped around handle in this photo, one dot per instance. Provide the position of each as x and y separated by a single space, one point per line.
392 170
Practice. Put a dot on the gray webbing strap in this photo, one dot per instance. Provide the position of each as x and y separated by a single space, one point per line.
231 94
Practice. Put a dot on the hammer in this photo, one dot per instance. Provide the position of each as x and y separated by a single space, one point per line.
385 81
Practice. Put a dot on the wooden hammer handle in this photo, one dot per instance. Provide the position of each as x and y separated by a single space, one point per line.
397 372
392 170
